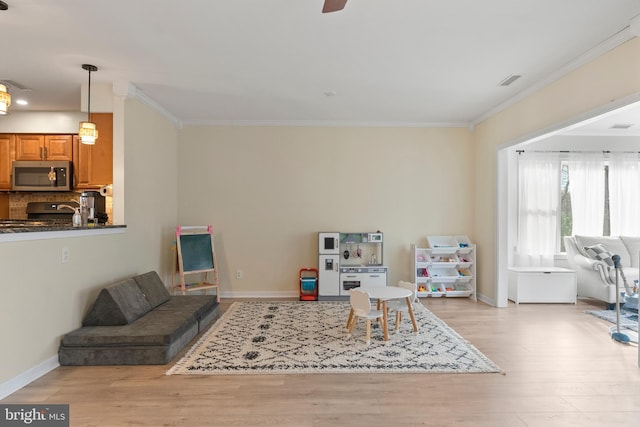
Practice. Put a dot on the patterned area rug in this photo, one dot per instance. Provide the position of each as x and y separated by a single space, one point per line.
310 337
628 318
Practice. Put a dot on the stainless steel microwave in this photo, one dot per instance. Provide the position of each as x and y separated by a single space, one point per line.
41 175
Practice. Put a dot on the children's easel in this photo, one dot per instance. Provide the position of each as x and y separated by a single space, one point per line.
195 255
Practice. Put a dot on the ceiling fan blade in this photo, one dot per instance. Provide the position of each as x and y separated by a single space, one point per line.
333 5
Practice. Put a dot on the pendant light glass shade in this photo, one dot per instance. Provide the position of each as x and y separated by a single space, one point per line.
87 131
5 100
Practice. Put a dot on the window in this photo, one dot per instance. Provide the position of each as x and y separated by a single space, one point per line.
566 214
564 194
566 220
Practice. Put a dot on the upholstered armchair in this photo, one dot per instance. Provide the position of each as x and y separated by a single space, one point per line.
596 277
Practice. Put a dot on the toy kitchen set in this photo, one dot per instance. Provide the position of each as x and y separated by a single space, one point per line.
347 261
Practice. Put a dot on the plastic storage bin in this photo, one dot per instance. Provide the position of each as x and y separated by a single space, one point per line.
441 274
308 284
443 244
464 244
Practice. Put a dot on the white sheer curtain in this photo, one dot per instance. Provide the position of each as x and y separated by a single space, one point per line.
586 185
624 194
538 208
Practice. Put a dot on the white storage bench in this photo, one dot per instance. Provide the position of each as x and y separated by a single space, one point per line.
542 285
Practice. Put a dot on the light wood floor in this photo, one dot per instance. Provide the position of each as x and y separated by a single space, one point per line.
561 369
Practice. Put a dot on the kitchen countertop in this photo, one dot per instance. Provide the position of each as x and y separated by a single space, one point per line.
51 227
18 230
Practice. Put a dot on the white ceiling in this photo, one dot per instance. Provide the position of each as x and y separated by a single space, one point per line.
377 62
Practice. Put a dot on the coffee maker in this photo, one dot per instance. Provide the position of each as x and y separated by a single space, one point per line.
93 207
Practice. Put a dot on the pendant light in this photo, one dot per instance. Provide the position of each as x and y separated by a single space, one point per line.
88 132
5 100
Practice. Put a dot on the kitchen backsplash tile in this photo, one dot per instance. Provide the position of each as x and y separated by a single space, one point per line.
18 202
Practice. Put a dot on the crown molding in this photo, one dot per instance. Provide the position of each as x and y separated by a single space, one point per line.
129 90
322 123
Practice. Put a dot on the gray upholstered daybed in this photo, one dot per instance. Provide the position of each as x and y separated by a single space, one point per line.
137 322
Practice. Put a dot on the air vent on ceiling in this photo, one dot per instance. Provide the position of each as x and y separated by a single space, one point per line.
14 85
621 126
512 78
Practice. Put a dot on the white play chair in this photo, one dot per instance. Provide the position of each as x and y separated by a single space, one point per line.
361 306
400 305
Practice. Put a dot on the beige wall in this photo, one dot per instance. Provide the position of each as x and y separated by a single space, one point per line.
41 122
612 77
42 299
267 191
264 189
150 184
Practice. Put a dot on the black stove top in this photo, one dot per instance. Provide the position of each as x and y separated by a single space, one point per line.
57 211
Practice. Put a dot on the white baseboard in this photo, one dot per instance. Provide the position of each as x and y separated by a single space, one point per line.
253 294
487 300
16 383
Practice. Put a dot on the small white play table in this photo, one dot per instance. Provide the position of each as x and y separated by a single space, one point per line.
383 294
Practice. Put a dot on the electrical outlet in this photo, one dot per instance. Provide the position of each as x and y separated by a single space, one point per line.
65 255
238 274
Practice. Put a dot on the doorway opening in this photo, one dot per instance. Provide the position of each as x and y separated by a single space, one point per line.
595 130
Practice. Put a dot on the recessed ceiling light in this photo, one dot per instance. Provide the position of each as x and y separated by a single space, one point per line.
22 102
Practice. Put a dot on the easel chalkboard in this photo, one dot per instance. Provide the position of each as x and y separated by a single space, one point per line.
196 255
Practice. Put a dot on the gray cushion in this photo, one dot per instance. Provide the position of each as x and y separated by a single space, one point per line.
125 355
599 253
152 340
118 304
153 289
155 337
144 355
194 304
613 244
155 328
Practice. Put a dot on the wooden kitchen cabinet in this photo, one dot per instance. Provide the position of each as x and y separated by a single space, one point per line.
44 147
93 164
7 155
58 147
4 205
